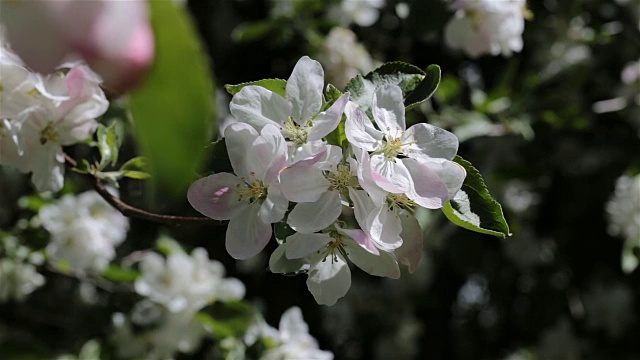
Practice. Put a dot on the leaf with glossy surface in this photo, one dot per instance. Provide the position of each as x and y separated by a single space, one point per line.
173 109
278 86
473 208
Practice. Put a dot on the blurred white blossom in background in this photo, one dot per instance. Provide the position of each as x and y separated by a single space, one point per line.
18 279
361 12
290 341
343 57
84 230
486 27
623 212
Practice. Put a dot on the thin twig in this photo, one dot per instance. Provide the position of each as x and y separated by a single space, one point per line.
134 212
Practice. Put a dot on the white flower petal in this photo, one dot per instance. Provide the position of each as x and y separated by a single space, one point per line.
276 160
384 264
329 280
303 183
359 129
366 176
304 90
215 196
258 107
48 168
274 206
310 217
410 252
301 245
428 190
247 235
362 206
309 153
239 138
451 173
432 141
388 109
280 264
328 120
384 227
391 174
362 239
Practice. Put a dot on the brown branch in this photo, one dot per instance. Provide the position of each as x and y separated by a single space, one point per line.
134 212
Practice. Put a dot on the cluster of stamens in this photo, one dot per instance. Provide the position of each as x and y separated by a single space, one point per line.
49 133
341 179
395 144
334 247
251 190
400 201
296 133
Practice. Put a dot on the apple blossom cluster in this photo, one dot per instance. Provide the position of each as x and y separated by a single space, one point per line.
290 341
361 12
486 26
174 290
343 203
84 230
18 279
39 114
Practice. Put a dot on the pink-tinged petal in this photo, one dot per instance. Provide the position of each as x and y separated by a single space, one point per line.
328 120
280 264
359 129
301 245
428 190
366 177
451 173
432 141
329 280
388 109
215 196
247 235
383 226
258 107
276 158
304 90
390 174
309 153
362 239
303 183
274 206
239 138
410 252
383 264
310 217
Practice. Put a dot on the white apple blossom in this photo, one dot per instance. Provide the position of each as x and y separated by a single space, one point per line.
113 37
297 115
291 341
486 26
18 279
84 230
251 199
623 213
415 161
343 57
362 12
186 283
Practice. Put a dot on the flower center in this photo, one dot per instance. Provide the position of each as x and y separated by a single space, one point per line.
342 179
49 133
395 143
400 201
296 133
251 191
334 247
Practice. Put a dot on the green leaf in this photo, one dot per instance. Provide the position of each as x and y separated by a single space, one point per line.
173 109
278 86
120 274
417 85
332 93
226 319
252 31
135 168
108 144
473 208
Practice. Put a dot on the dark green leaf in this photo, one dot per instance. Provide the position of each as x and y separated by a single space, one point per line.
332 93
226 319
278 86
417 85
173 109
473 208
